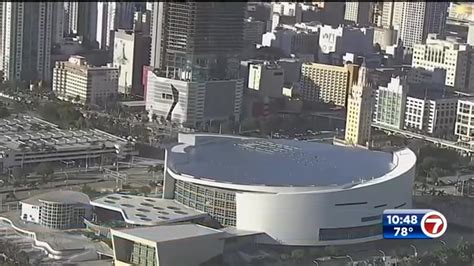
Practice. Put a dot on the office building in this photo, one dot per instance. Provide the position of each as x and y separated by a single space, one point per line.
177 245
76 81
57 209
253 31
359 110
25 47
195 50
81 19
110 17
431 111
141 22
359 13
291 41
336 42
58 21
390 103
443 60
470 34
28 141
191 102
131 52
384 37
291 68
223 176
415 20
267 79
198 41
327 83
157 34
288 9
464 127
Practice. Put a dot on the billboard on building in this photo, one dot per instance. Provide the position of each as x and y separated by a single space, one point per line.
462 11
328 39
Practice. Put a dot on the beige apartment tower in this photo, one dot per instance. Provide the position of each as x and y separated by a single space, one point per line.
76 81
359 111
327 83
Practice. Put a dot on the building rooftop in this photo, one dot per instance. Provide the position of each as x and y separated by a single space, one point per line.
61 196
430 92
275 162
146 210
33 135
166 233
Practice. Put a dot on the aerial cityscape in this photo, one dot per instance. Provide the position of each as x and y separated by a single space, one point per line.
237 133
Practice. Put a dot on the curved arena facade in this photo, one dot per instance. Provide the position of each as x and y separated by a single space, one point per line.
298 193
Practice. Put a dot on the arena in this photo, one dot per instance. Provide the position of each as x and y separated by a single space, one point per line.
298 193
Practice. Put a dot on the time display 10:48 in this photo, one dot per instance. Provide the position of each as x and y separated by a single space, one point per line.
403 224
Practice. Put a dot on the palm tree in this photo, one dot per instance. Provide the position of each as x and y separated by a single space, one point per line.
154 169
424 187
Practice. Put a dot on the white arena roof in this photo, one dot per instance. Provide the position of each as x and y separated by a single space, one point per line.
146 210
274 162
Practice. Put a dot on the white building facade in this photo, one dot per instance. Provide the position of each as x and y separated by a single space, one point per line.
190 103
110 17
131 52
75 80
390 103
359 12
414 20
453 58
464 129
434 116
345 39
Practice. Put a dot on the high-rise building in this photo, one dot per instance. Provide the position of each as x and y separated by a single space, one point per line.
110 17
464 128
131 53
359 110
390 103
359 12
25 46
76 81
199 41
414 20
196 49
470 34
58 22
267 79
141 22
81 19
431 111
327 83
447 58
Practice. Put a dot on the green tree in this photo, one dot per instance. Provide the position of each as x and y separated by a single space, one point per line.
154 118
19 174
298 254
154 169
4 112
145 190
89 191
45 170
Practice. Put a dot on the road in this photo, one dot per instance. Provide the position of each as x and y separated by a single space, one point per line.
442 142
